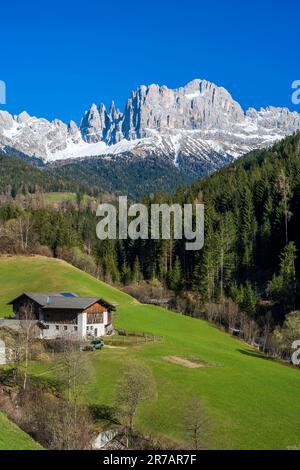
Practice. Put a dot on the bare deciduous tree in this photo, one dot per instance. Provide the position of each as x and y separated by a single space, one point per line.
232 313
266 331
19 343
196 423
20 230
135 386
51 420
73 371
27 335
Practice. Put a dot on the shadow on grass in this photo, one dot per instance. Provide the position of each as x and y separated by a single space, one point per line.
11 378
257 354
103 413
7 376
48 383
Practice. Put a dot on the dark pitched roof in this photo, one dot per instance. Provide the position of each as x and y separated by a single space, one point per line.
75 303
63 300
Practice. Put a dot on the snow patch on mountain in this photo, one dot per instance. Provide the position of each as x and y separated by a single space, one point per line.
83 149
195 125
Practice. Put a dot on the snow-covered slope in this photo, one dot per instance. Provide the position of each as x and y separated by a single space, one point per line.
195 125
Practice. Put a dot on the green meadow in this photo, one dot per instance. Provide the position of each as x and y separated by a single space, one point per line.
55 197
252 402
59 197
12 438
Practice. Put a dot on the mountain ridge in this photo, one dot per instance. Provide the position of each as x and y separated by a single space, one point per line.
194 126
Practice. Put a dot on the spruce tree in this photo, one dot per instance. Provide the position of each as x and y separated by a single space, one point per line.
136 272
175 277
282 288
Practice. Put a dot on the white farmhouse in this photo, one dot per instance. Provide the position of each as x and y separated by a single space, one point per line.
60 313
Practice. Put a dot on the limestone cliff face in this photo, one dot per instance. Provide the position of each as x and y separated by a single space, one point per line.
195 125
198 105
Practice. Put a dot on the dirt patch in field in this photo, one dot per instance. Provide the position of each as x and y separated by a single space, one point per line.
183 361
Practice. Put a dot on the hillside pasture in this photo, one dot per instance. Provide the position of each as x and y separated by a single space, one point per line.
251 401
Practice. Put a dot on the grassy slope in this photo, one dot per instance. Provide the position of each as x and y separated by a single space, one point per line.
55 197
59 197
12 438
252 401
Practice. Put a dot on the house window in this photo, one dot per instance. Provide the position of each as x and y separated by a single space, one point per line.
57 327
75 328
65 327
87 328
92 327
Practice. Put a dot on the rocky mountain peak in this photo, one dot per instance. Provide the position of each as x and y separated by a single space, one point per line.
193 125
92 124
23 117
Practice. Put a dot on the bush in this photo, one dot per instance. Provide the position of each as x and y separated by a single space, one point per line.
78 258
149 292
43 250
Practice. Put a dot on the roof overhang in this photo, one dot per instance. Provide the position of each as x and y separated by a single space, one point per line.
67 303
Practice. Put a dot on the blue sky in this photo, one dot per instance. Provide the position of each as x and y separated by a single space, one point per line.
58 57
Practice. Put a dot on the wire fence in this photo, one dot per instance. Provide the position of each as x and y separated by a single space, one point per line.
123 337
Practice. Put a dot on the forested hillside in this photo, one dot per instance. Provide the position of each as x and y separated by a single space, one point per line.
252 209
129 175
251 224
245 276
17 175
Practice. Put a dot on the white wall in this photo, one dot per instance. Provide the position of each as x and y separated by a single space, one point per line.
2 352
81 323
82 326
53 332
100 327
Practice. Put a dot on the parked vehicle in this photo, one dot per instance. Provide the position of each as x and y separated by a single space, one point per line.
93 345
97 344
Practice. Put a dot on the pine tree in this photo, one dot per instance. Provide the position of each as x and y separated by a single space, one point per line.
136 272
284 190
110 269
225 241
249 300
248 227
175 276
204 275
282 288
126 274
